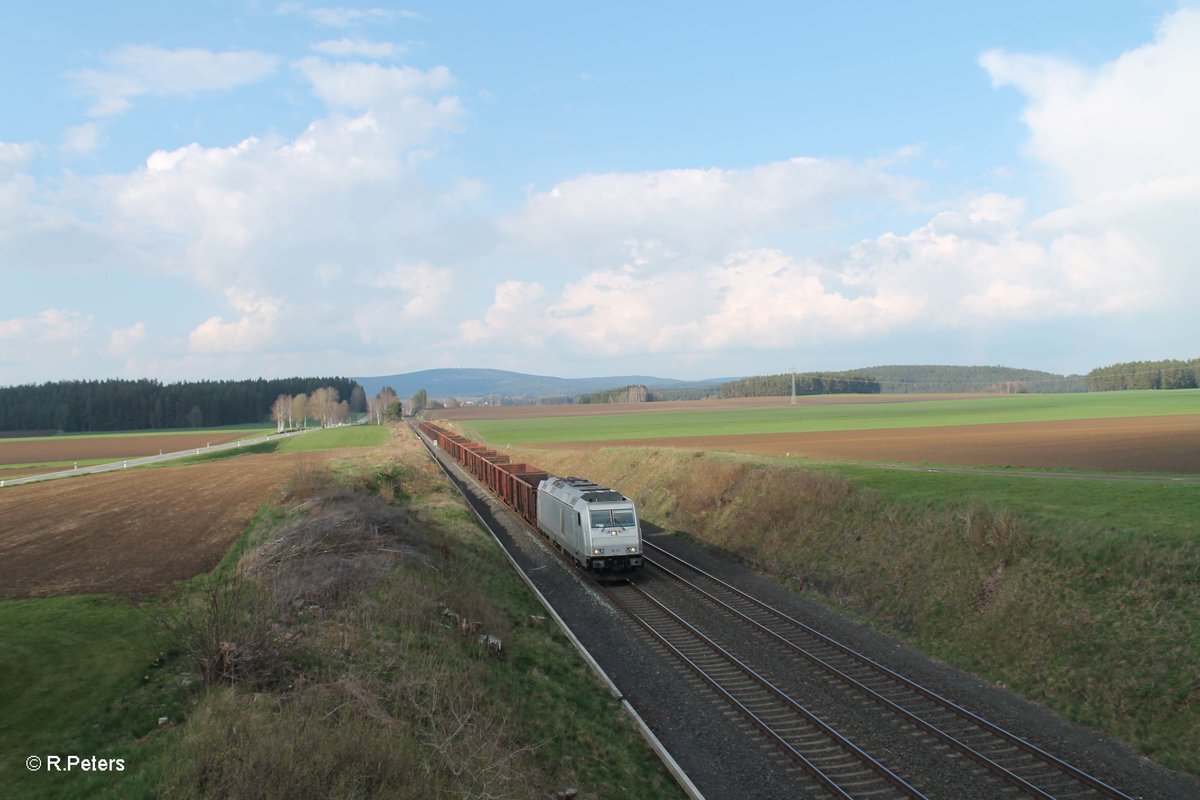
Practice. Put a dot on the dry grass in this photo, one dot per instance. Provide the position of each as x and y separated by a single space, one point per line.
1098 629
386 593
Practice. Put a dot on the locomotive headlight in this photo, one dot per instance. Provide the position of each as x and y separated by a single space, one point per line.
633 549
599 551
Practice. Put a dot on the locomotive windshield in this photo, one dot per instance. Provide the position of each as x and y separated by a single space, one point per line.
612 517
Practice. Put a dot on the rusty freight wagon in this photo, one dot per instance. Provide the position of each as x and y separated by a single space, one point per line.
600 531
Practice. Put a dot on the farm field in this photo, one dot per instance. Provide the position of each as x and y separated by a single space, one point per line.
836 416
1114 431
97 448
725 404
1140 444
133 533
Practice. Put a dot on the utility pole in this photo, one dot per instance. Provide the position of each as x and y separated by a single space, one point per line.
793 385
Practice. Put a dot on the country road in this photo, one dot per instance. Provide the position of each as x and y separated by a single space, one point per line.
142 461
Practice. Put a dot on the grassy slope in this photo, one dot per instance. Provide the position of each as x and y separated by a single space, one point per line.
1081 595
83 675
864 416
80 675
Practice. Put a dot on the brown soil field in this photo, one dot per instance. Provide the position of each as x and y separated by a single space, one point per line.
131 533
1135 444
114 447
604 409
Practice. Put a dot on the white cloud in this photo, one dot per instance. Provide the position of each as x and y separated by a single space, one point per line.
403 295
123 341
357 86
81 139
516 315
254 330
1125 123
49 326
14 157
972 265
758 298
1122 138
243 215
699 210
340 16
364 48
136 70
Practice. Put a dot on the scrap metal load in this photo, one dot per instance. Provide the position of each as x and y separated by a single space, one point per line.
595 526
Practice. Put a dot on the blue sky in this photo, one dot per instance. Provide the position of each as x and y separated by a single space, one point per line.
233 189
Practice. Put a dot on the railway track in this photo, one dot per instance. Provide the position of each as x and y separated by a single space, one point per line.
937 736
830 759
1027 768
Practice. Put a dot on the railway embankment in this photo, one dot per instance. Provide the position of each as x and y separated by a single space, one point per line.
1097 623
362 638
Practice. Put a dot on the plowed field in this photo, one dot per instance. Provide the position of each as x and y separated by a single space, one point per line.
131 533
1149 444
34 451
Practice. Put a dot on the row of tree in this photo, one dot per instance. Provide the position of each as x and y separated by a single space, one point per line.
805 383
116 404
1166 374
383 406
635 393
324 406
935 378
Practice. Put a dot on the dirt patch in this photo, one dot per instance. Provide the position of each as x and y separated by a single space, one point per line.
131 533
113 447
729 404
1139 444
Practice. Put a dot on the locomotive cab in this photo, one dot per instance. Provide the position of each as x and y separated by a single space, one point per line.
614 540
597 526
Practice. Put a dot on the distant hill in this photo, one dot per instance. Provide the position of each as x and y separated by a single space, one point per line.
481 383
440 383
925 378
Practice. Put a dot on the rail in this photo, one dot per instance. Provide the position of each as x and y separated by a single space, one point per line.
900 695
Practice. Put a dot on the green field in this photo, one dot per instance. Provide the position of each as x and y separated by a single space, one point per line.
839 417
1093 510
80 675
333 438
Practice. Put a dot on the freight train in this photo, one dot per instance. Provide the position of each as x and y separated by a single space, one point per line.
595 526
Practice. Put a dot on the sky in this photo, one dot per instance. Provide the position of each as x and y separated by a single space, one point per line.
690 190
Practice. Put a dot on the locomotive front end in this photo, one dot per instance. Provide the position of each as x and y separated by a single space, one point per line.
614 537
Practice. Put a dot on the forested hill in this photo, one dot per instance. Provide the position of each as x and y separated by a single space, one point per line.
117 405
1169 374
806 383
932 378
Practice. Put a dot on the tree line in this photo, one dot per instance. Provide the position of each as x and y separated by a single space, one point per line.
936 378
119 404
1165 374
324 406
634 393
806 383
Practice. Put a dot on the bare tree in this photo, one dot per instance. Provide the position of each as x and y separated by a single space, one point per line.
300 410
318 403
280 410
379 404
